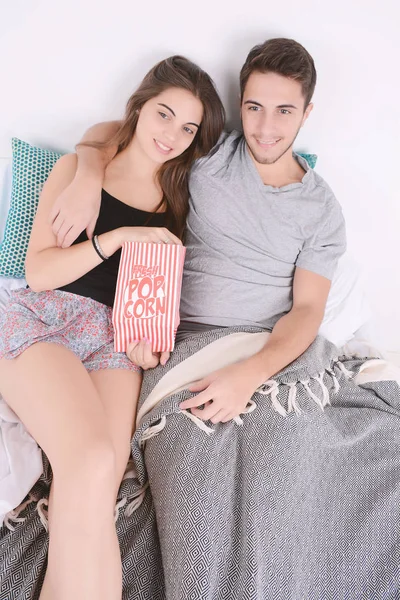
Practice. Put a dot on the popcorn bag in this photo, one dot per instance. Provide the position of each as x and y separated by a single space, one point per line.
148 293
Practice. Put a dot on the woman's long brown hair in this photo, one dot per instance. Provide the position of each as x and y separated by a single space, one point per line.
173 175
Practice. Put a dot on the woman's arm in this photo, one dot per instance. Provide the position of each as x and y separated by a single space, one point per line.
77 207
48 267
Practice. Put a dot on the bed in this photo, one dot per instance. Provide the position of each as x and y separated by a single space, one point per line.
312 405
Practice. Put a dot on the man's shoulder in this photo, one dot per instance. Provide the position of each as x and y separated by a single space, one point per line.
221 154
320 189
328 212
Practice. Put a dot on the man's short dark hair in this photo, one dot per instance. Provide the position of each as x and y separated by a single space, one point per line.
285 57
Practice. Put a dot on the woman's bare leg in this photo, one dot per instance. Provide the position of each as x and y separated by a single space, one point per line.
54 396
119 392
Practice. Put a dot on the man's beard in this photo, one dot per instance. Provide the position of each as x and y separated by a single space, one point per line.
270 161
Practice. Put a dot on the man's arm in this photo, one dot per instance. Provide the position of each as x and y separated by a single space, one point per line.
226 392
77 208
295 331
94 163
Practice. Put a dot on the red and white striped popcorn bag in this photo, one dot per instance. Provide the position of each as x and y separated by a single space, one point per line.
148 294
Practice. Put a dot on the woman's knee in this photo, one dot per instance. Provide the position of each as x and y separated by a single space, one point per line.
90 463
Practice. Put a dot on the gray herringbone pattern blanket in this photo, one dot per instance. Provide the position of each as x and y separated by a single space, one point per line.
299 502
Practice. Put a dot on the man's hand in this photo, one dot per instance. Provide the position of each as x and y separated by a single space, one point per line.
142 355
77 208
225 394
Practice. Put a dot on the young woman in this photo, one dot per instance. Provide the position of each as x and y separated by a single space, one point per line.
58 369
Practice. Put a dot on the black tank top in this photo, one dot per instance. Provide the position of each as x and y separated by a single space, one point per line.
100 283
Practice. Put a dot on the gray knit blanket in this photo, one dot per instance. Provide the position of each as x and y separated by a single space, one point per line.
297 500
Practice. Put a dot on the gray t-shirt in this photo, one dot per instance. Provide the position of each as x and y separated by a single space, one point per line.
244 239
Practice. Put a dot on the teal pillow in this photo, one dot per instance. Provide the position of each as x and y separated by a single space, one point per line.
31 167
310 158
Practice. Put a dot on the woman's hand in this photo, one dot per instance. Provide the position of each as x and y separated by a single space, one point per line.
141 354
155 235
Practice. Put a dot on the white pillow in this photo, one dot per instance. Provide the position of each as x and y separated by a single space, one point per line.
7 284
347 308
5 192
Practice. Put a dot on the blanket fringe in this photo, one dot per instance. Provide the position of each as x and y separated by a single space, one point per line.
152 431
348 374
135 501
336 385
325 391
292 399
317 400
250 407
42 512
13 515
271 388
118 507
130 471
132 503
200 424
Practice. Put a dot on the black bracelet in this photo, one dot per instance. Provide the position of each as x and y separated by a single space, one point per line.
98 249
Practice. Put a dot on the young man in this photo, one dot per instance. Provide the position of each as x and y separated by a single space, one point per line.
264 231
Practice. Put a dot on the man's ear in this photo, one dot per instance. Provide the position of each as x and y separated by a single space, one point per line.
306 113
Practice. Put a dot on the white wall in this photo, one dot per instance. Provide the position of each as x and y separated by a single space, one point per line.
64 66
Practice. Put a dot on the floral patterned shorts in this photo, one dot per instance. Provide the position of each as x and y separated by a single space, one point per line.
81 324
